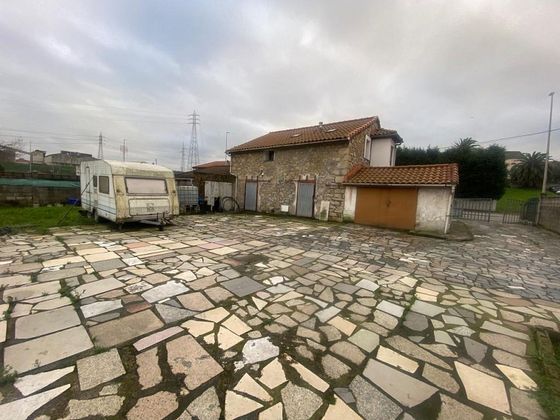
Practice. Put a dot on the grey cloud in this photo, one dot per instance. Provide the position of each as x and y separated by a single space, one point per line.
436 71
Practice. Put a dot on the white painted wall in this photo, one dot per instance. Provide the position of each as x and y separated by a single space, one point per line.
350 194
433 209
381 152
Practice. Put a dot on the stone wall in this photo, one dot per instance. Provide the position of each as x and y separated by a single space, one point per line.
550 213
326 164
357 147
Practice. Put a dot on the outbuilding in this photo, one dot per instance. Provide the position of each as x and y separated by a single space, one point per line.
416 197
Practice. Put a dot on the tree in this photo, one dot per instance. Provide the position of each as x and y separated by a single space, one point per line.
482 171
529 172
466 145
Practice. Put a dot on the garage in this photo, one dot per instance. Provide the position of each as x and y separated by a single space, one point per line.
416 197
386 207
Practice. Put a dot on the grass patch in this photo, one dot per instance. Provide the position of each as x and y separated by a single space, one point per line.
42 218
8 312
546 366
522 194
7 375
68 291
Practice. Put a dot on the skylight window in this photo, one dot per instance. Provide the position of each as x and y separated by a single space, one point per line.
330 130
296 135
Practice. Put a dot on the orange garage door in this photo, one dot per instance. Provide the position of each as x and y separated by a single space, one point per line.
386 207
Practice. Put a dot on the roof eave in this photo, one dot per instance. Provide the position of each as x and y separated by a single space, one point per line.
369 184
291 145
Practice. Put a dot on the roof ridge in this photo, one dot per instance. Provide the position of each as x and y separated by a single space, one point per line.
373 117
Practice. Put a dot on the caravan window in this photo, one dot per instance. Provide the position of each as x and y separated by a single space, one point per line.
95 181
104 184
148 186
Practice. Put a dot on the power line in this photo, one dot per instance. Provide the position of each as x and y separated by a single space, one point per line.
509 137
518 136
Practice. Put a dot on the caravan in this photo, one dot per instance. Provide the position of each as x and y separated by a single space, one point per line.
125 191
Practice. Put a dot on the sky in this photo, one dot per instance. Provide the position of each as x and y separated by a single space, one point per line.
436 71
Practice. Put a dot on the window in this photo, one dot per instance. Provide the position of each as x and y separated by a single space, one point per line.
104 184
269 155
392 157
367 148
146 186
95 181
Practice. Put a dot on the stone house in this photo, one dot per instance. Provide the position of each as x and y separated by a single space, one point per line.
300 171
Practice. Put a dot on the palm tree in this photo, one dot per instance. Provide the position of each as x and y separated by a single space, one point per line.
529 172
467 144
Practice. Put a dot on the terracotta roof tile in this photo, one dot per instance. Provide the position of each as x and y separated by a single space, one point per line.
385 132
443 174
328 132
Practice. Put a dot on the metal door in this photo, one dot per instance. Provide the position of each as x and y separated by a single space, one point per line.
251 196
305 198
387 207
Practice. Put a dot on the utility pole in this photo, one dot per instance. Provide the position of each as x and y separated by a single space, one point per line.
193 159
545 177
100 147
227 132
124 149
30 159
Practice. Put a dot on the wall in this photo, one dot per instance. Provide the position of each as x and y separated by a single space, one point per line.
433 209
18 195
357 146
326 164
550 213
350 203
381 152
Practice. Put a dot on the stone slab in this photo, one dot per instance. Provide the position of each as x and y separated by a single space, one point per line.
99 368
405 389
483 389
185 356
371 403
29 384
169 289
46 322
121 330
242 286
98 308
32 290
47 349
23 408
156 338
96 287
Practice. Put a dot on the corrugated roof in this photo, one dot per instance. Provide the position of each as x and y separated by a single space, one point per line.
442 174
329 132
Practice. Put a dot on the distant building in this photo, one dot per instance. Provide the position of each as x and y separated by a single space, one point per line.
67 158
513 157
7 154
38 156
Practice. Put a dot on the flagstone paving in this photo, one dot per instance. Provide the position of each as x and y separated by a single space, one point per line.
223 316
